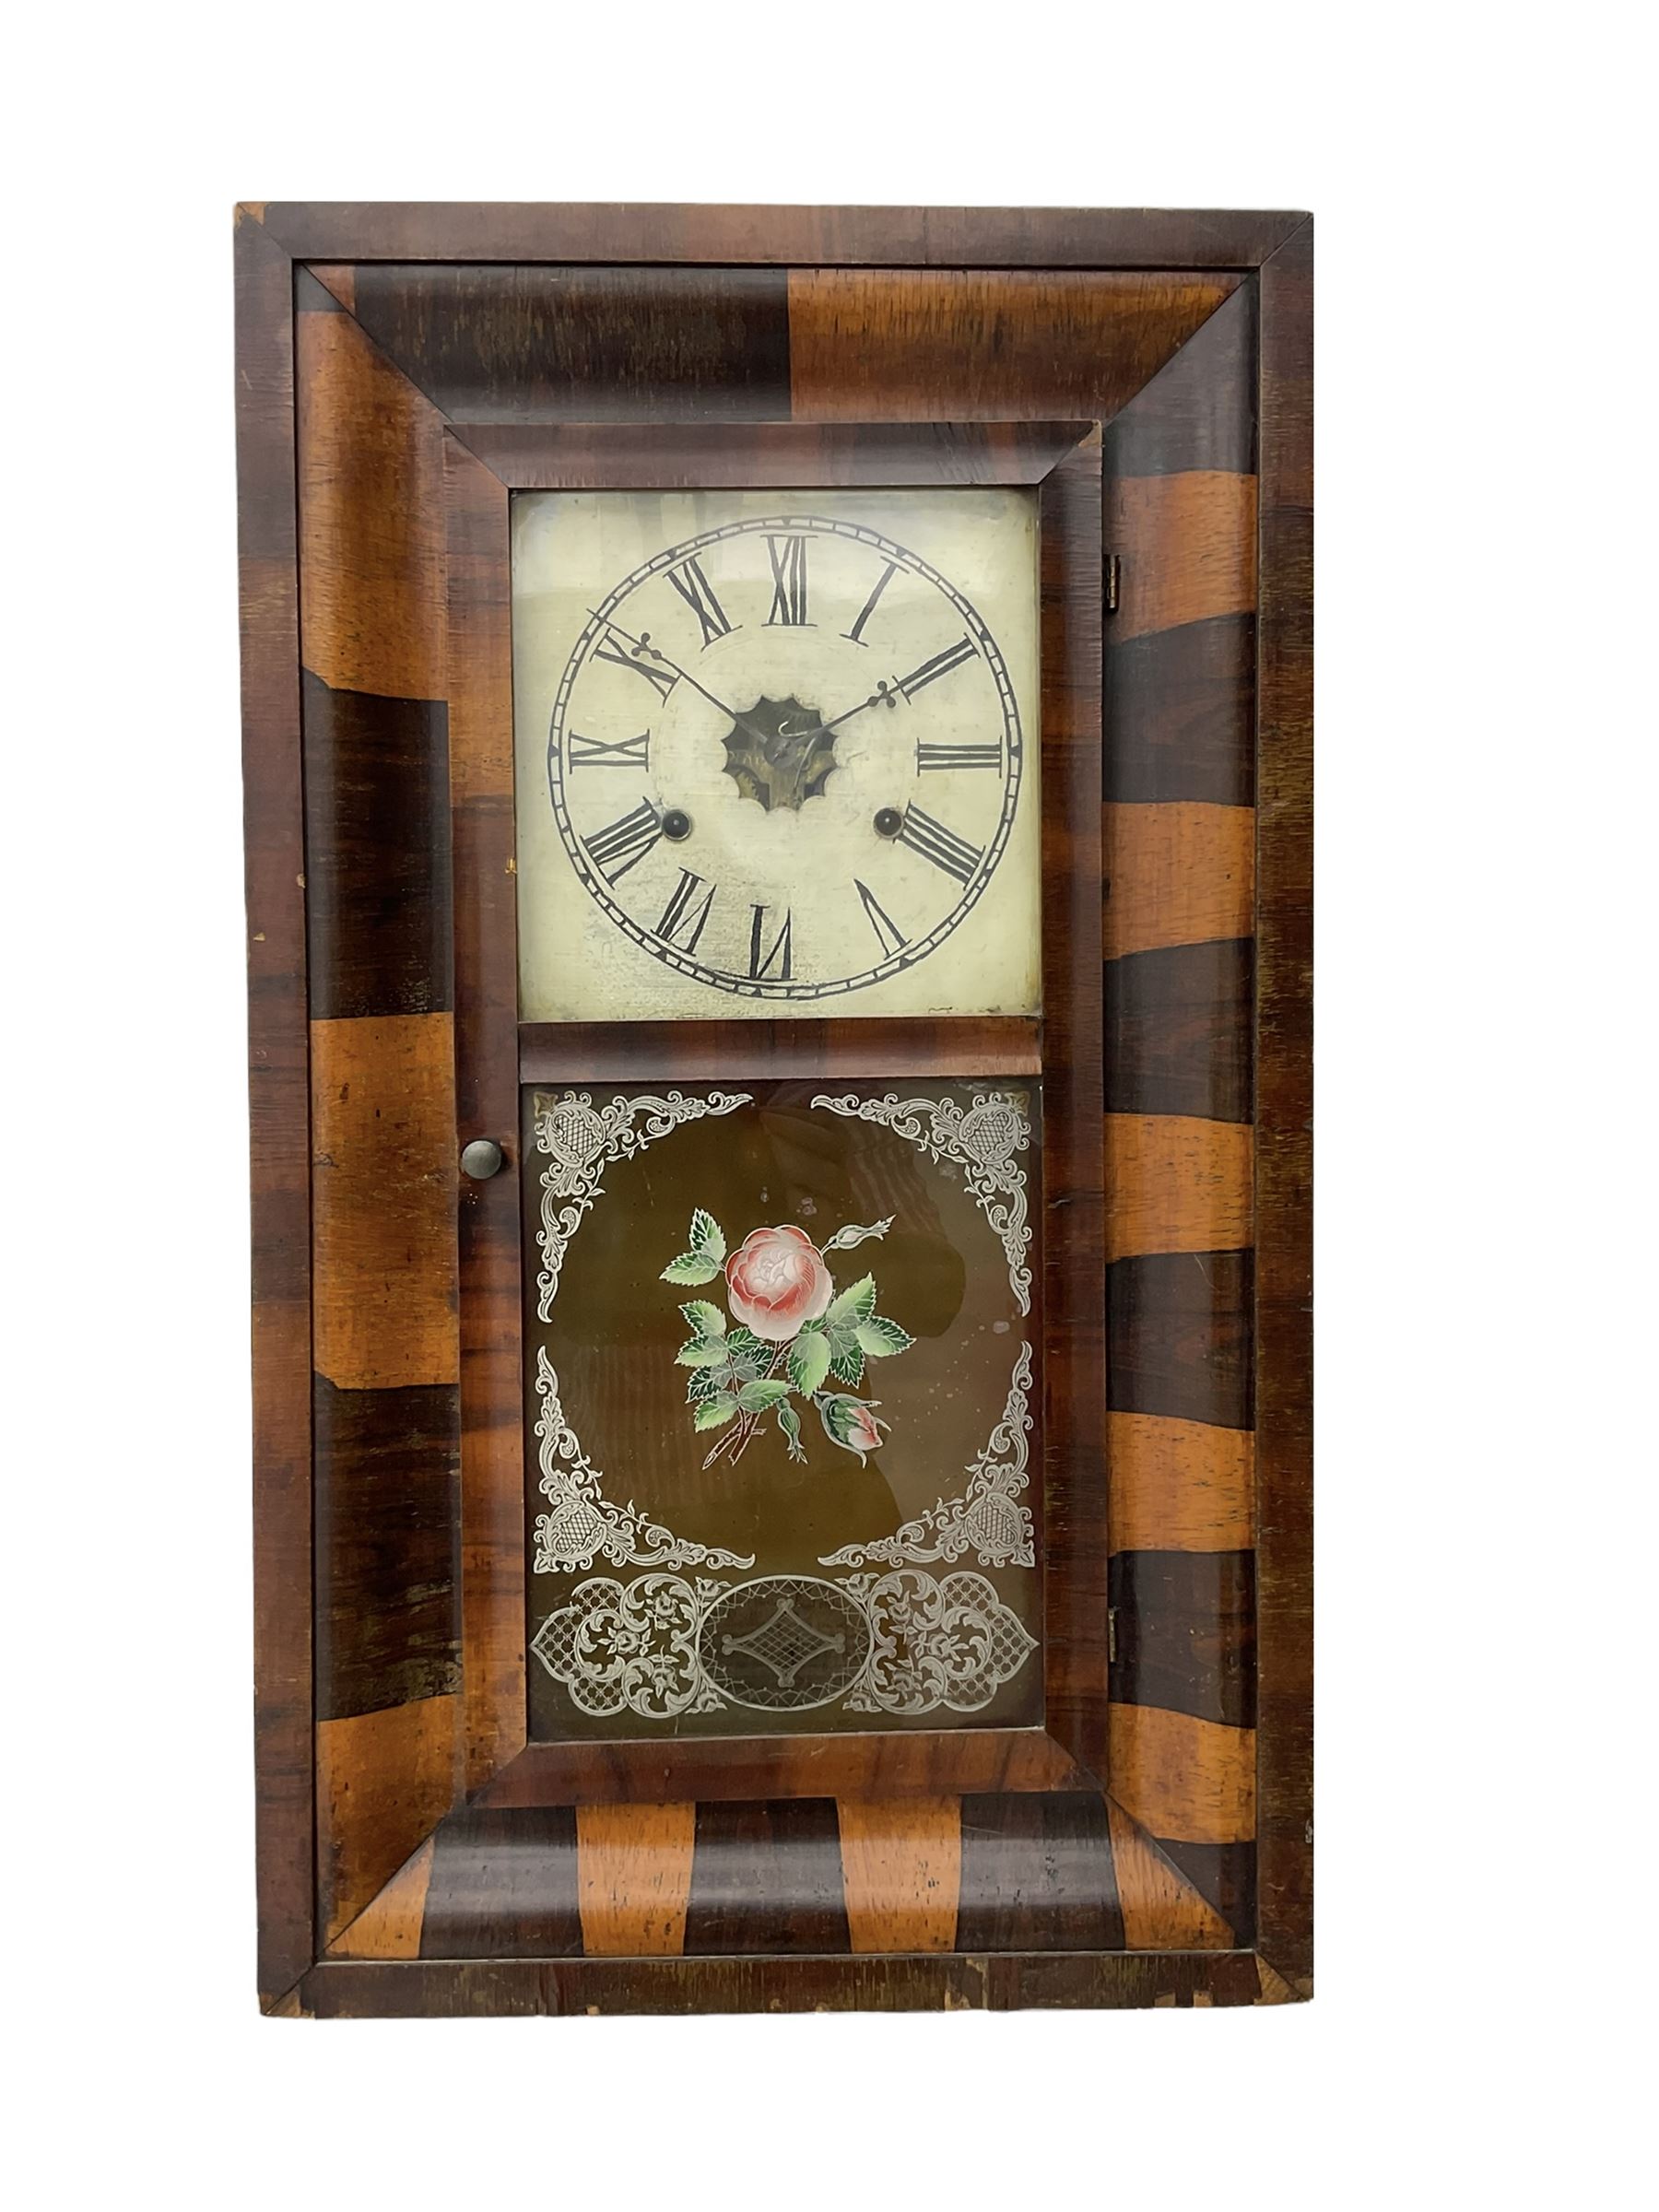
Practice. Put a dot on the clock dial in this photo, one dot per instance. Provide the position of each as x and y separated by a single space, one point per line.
787 759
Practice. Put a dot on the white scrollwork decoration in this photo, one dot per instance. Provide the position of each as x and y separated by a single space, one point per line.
951 1642
985 1142
629 1646
583 1524
987 1519
580 1140
641 1646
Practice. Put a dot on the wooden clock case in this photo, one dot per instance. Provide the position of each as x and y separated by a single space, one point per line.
401 370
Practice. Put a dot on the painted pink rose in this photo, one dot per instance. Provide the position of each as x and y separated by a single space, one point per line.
851 1423
777 1282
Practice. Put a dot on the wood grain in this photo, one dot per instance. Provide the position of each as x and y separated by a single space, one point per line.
503 1885
386 1613
382 1103
1208 240
633 1867
487 1104
1224 1875
1198 412
383 1781
377 853
1283 1157
383 1198
1187 544
901 1870
278 1108
767 1878
1162 1909
786 455
1175 1183
576 1052
1180 713
1178 1030
1073 1240
1275 1990
1176 874
1180 1485
909 1764
338 279
1179 1777
1179 1328
528 1988
390 1927
1037 1873
370 517
1010 342
1186 1632
502 342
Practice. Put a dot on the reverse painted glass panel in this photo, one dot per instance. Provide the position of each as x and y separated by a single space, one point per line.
785 1408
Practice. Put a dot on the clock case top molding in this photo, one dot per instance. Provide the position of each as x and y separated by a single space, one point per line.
400 371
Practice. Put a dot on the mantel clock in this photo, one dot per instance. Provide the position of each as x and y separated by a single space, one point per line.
780 1119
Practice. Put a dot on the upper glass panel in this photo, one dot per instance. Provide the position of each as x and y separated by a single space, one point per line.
777 753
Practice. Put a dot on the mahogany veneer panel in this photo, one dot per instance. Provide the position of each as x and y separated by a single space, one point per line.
952 238
1285 1140
508 342
1012 342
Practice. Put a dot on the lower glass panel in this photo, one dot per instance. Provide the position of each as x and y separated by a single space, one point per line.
783 1410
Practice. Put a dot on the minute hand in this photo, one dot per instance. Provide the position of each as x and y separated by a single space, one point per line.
889 694
644 646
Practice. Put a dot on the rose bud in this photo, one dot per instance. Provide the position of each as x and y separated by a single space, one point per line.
851 1423
777 1282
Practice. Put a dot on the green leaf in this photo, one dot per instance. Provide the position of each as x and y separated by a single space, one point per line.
707 1235
714 1413
704 1382
789 1420
704 1319
882 1338
846 1364
749 1356
808 1360
690 1268
755 1397
701 1352
856 1304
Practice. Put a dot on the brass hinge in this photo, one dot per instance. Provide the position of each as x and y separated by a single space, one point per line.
1114 562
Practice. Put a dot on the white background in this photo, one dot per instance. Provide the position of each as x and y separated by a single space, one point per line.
1486 1102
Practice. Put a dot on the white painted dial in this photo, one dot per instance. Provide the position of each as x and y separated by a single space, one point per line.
787 758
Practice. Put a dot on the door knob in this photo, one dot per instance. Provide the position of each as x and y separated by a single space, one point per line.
481 1158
